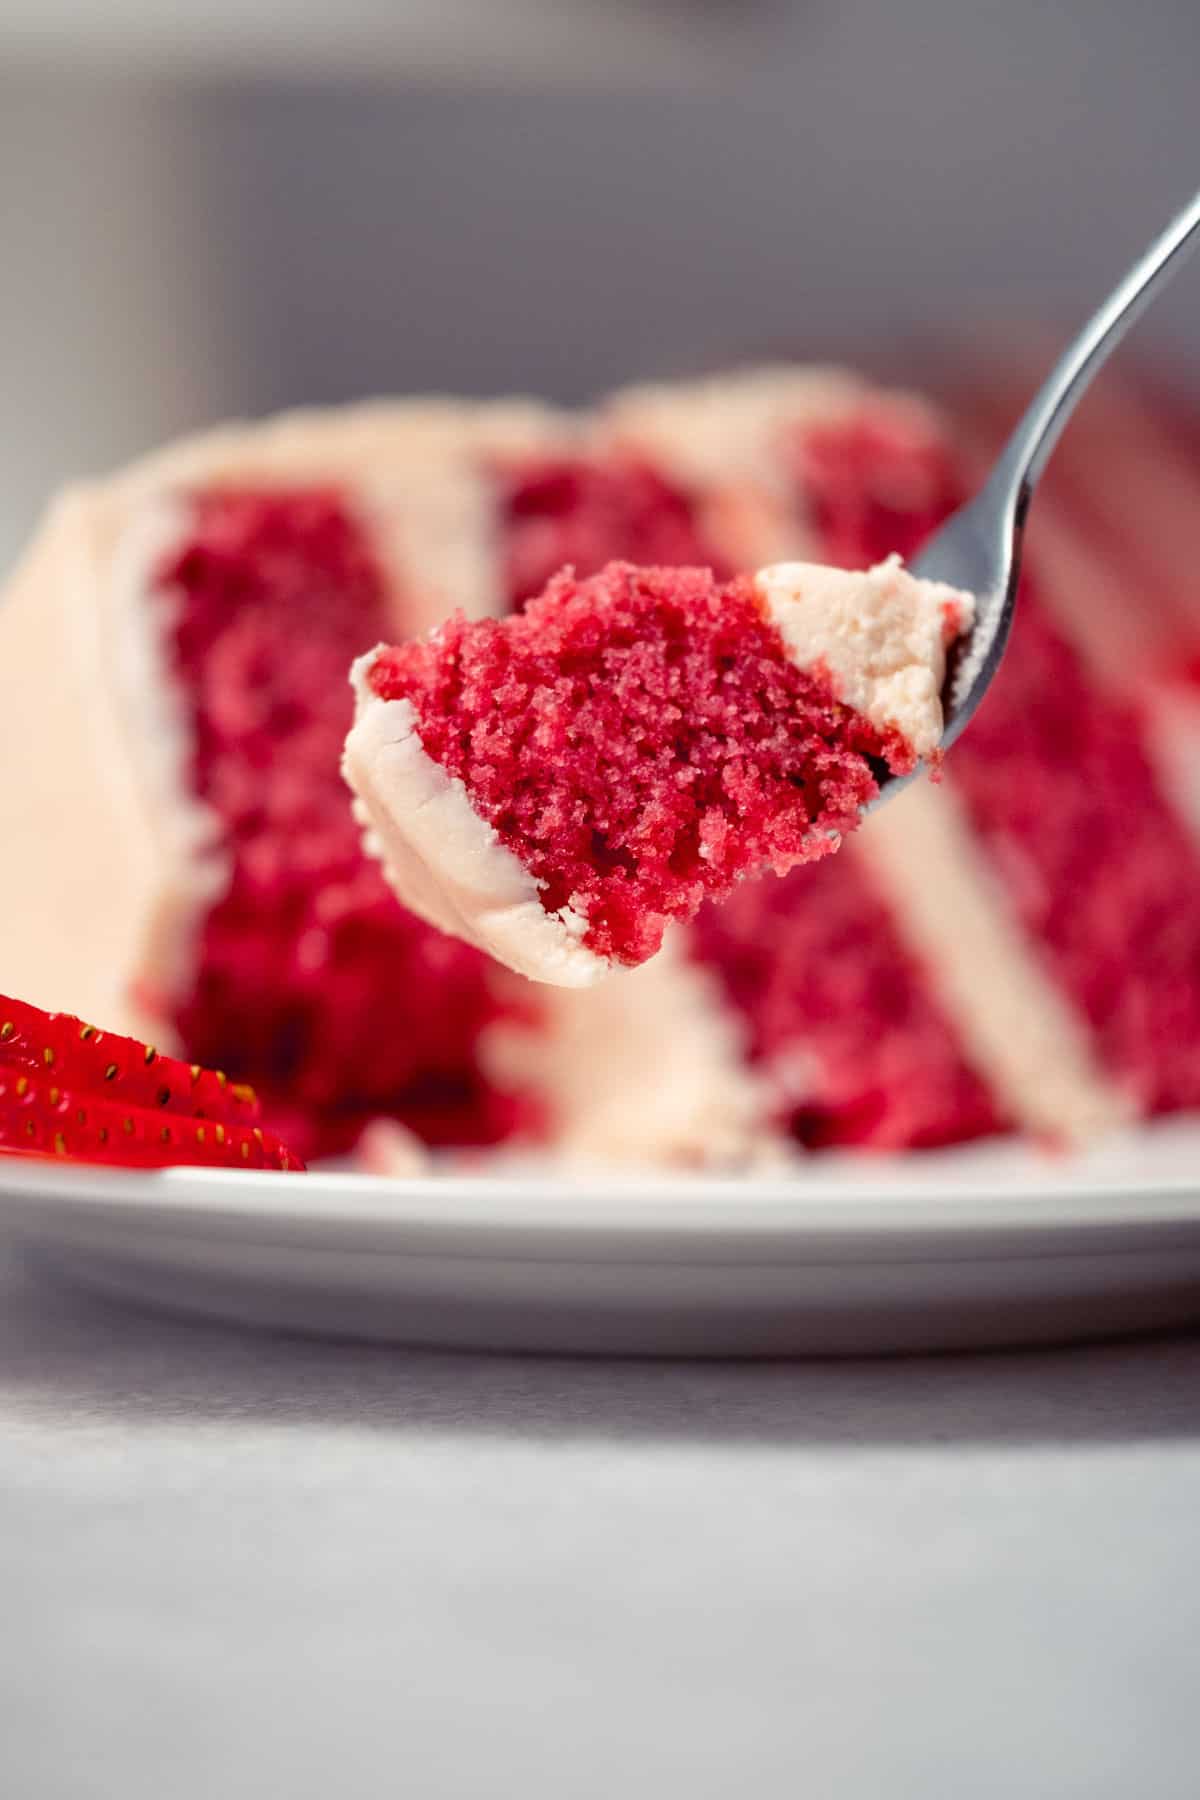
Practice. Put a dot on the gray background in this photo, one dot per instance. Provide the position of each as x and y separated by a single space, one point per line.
256 205
241 1566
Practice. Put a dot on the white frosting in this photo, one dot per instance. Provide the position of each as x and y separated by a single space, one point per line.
1173 744
648 1069
1019 1031
151 713
430 507
389 1148
727 428
882 635
434 531
442 859
108 860
723 438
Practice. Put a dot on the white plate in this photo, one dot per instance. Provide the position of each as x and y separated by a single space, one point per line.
992 1246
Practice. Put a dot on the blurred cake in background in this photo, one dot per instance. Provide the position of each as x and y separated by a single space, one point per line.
1016 948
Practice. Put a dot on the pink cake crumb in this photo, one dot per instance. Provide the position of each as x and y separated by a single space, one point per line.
831 999
640 740
581 512
268 595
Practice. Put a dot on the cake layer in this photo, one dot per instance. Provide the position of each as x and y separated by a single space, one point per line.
1098 870
567 511
952 913
843 1028
266 593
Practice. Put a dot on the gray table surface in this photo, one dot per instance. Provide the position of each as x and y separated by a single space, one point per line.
239 1565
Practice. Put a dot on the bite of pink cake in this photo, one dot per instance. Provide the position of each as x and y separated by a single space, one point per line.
559 786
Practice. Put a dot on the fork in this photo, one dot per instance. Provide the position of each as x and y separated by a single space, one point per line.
979 548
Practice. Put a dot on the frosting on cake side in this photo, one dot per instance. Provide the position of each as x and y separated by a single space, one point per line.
882 635
444 861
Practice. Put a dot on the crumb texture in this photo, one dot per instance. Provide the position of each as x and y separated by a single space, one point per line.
641 741
1058 787
843 1025
270 595
582 512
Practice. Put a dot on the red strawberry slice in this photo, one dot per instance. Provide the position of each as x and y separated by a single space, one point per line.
68 1090
79 1056
38 1118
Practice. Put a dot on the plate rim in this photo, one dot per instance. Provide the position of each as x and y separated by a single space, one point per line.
546 1217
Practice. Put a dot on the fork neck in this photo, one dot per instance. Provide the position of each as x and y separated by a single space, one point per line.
1032 442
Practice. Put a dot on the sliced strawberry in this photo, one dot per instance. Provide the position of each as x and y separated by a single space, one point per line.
79 1056
38 1117
69 1090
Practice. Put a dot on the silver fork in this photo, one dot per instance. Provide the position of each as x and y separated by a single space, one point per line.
980 547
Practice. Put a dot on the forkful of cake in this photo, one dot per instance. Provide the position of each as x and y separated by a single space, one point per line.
559 786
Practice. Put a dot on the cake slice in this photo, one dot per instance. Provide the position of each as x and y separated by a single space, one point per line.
1013 948
560 786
